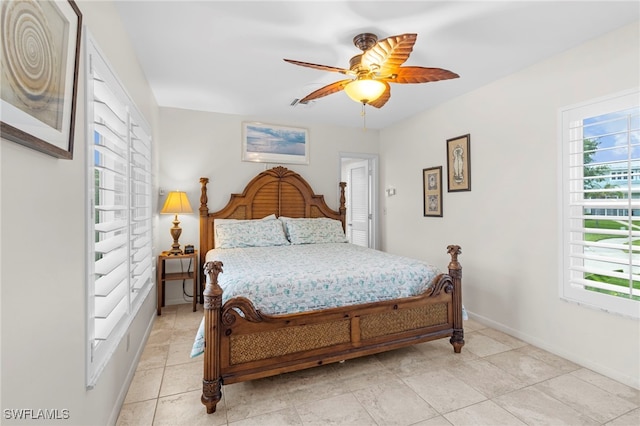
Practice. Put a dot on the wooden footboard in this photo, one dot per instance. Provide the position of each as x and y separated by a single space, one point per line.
242 344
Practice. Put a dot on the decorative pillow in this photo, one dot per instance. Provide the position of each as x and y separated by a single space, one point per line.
250 233
314 231
217 222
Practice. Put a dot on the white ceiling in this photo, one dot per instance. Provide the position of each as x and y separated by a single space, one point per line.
227 56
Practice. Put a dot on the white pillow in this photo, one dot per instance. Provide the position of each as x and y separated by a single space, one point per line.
250 233
314 231
217 222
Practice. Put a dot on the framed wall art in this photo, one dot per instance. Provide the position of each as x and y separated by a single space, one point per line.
40 55
268 143
432 191
459 164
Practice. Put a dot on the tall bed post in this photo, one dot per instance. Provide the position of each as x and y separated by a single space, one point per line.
204 212
455 271
212 381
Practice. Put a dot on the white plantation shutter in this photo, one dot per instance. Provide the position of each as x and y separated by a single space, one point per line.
140 207
601 204
119 270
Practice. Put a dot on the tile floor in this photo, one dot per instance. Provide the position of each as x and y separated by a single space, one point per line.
497 380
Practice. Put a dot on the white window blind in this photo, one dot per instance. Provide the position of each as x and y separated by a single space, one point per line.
601 204
119 270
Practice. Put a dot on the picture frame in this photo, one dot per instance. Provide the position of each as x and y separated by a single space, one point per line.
40 75
269 143
432 191
459 163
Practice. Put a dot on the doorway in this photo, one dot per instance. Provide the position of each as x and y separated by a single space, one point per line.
360 172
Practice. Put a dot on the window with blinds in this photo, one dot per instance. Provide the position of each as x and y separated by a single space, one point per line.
119 270
601 204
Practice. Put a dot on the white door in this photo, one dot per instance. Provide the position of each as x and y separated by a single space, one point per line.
359 203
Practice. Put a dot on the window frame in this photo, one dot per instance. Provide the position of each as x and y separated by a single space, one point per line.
593 108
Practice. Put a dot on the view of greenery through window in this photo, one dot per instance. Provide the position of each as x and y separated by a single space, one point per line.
611 203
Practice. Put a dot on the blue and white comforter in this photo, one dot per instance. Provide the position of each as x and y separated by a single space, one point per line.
299 278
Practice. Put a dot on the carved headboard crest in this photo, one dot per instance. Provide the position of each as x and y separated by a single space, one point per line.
278 191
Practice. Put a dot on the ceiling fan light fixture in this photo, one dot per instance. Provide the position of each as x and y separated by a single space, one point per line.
364 90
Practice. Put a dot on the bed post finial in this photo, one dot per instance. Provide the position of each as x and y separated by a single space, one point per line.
204 210
454 251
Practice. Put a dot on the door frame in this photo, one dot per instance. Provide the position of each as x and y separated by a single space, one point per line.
373 167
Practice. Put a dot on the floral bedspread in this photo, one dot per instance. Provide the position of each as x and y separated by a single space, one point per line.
299 278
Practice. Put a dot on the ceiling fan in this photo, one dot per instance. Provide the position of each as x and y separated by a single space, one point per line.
379 64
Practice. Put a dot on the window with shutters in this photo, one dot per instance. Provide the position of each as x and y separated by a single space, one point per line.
601 203
120 266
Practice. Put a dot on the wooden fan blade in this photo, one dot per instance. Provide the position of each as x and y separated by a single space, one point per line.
379 103
389 54
318 67
326 90
407 75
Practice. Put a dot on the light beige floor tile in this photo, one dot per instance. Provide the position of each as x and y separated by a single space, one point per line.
524 367
165 321
405 386
137 414
406 362
160 336
560 364
186 409
534 407
486 378
443 391
181 378
153 356
440 353
286 417
619 389
483 345
183 335
361 373
472 325
180 353
145 385
341 410
482 414
255 397
436 421
394 403
585 398
632 418
503 338
313 384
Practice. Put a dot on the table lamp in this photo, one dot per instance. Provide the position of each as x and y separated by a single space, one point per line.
176 203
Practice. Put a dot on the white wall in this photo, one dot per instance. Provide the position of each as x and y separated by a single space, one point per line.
43 262
203 144
507 225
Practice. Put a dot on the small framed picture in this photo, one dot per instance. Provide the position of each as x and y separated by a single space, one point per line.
268 143
432 191
459 164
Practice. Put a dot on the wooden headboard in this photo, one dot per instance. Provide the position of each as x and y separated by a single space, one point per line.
278 191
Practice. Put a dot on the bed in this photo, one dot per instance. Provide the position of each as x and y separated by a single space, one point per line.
245 337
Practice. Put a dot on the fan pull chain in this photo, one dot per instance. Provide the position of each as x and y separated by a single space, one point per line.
364 119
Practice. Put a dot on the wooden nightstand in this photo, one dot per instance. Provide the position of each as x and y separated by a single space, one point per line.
192 273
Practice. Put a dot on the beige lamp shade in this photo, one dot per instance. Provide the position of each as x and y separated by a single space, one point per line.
364 90
176 203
